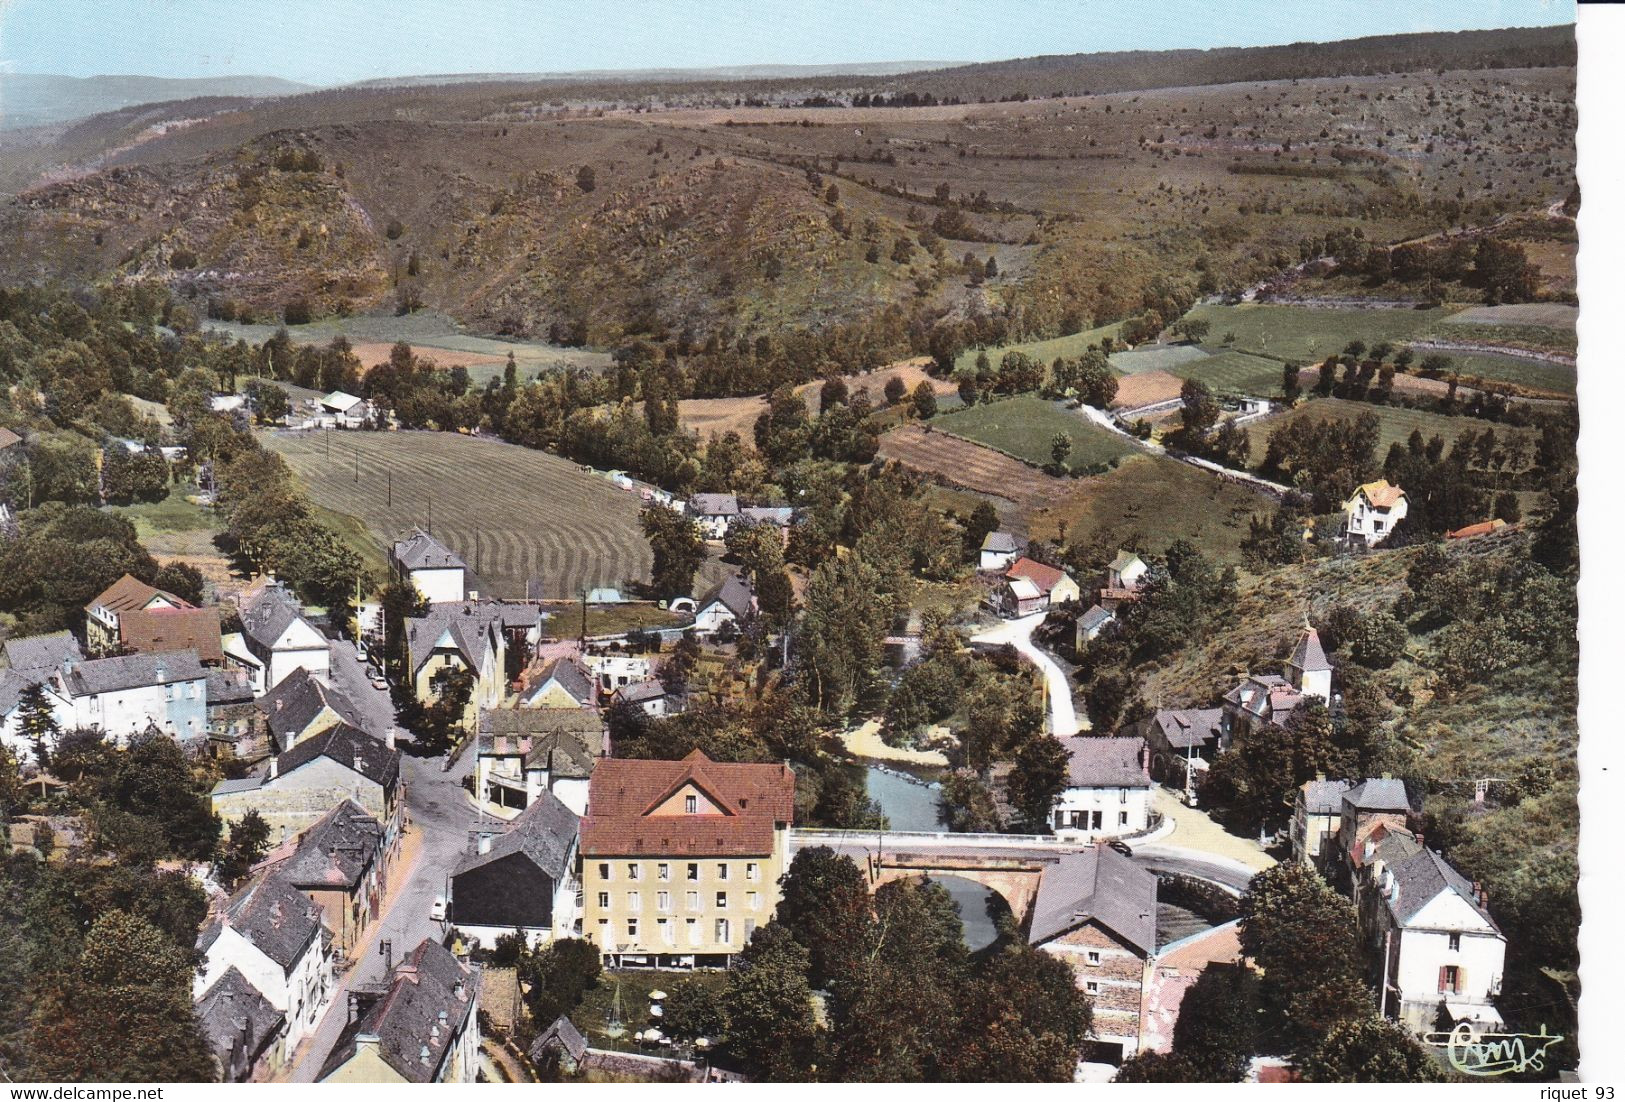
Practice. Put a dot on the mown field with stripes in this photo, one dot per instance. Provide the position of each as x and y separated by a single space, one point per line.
511 512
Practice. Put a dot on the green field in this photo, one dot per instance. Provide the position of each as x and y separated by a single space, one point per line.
1044 351
1024 426
511 512
1397 423
1234 372
1558 378
1157 357
1310 334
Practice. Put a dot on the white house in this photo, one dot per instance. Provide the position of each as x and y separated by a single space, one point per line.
1108 789
525 752
120 696
999 550
276 640
345 411
714 513
271 933
1092 623
522 878
647 696
1125 571
1371 513
614 671
1439 945
732 602
433 569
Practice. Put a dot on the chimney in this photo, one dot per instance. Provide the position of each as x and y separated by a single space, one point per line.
271 776
1420 841
279 704
355 761
1320 776
389 738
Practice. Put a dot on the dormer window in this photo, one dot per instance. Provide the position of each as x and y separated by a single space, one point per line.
691 805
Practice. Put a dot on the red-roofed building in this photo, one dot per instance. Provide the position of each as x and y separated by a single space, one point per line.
681 859
158 629
128 594
1031 586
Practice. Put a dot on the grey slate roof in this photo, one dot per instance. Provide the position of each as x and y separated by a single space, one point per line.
298 699
1421 878
1123 561
564 741
1323 797
236 1021
779 516
546 832
12 685
421 551
1308 655
565 1035
269 614
734 593
1099 884
571 676
407 1020
469 623
1000 543
1382 794
641 692
1105 762
1187 728
714 505
42 652
1096 617
275 917
132 671
336 852
228 687
350 747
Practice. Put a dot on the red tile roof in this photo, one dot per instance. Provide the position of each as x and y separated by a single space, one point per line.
130 592
1044 577
166 629
1482 528
625 792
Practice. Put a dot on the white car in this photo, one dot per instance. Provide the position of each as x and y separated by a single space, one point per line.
437 909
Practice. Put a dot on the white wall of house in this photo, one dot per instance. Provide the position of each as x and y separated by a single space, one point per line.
713 616
1117 811
998 560
1374 525
179 708
616 670
440 585
300 993
1424 948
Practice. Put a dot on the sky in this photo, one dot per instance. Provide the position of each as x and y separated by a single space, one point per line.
338 41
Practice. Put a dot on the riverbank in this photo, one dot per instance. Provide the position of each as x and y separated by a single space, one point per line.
865 744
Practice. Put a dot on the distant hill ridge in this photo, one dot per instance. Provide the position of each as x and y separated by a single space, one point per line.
42 99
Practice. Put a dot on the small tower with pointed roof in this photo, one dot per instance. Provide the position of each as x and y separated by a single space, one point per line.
1307 668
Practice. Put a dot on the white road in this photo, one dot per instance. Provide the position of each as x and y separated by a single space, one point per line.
1063 717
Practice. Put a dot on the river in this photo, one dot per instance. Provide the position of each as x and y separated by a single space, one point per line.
912 805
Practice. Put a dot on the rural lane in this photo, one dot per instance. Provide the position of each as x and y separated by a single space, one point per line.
1019 634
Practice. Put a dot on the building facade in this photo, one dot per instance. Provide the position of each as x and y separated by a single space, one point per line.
681 860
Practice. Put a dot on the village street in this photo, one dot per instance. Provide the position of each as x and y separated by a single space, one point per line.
1019 634
440 816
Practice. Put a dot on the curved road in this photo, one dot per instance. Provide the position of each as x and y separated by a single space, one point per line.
1019 634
